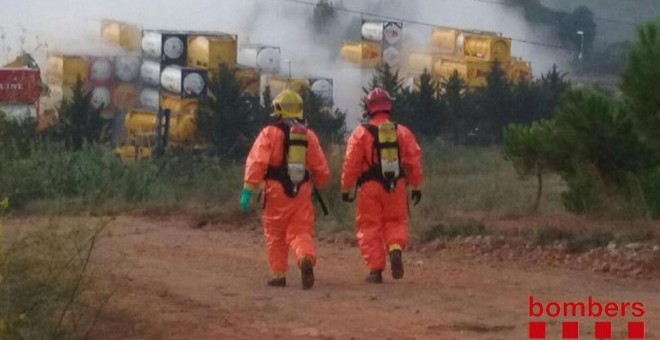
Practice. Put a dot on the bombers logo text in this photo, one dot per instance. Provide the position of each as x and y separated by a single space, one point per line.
603 313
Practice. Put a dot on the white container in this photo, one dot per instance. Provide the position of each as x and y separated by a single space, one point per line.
408 82
393 57
100 70
150 98
372 31
266 59
460 43
323 88
127 68
185 81
156 44
101 96
392 33
19 111
152 44
150 72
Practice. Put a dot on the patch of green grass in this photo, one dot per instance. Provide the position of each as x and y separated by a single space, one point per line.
480 179
457 179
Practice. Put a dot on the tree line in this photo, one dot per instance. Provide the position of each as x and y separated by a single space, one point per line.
451 111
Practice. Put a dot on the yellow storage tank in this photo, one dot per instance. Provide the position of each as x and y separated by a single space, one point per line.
177 105
363 53
419 61
280 83
49 106
473 72
129 153
125 96
444 39
209 51
485 47
249 78
46 117
126 36
137 122
519 71
143 122
183 129
65 69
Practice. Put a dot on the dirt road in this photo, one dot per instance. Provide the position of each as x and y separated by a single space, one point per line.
177 282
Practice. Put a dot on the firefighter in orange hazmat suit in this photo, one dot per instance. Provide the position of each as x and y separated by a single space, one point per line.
288 157
381 159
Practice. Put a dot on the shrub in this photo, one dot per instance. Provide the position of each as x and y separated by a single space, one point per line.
79 122
48 289
18 138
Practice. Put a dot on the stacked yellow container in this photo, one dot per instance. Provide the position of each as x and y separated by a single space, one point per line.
470 53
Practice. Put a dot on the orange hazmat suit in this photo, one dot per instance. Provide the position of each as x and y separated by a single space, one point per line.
288 221
381 216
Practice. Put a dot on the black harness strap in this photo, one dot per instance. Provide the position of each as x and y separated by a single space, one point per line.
281 173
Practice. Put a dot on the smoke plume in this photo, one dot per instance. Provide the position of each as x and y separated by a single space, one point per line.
68 26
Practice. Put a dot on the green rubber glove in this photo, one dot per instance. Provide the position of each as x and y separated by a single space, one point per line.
245 199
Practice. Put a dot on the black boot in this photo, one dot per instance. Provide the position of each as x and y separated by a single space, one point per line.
307 272
375 276
396 263
277 282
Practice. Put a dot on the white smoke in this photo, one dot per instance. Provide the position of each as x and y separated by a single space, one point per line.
65 26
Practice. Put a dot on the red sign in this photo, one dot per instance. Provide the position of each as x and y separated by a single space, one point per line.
19 86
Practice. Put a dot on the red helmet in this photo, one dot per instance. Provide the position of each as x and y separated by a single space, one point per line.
378 100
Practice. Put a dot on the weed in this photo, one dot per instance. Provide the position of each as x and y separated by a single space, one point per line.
453 230
47 286
575 242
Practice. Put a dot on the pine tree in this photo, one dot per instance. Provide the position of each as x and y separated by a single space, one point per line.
641 87
329 125
530 148
389 80
526 108
552 86
425 112
228 119
596 144
458 117
495 104
79 121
